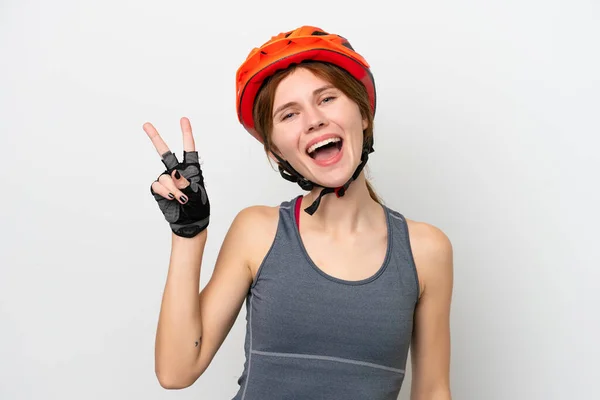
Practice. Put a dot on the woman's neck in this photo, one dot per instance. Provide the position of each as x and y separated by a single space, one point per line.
345 214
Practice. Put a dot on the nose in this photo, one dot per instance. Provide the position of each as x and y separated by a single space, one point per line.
315 119
316 125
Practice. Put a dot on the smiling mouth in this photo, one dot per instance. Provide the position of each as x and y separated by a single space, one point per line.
325 149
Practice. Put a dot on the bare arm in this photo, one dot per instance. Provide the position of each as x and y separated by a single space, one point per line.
178 335
192 325
431 339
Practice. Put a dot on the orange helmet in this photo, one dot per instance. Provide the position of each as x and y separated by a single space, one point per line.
304 43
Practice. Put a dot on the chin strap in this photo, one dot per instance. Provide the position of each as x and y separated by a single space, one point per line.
290 174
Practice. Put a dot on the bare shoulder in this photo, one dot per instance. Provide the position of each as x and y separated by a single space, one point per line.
256 219
433 254
256 226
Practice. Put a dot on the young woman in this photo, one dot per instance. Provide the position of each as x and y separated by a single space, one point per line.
337 285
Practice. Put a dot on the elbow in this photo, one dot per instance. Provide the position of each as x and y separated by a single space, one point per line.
175 373
174 380
170 382
170 385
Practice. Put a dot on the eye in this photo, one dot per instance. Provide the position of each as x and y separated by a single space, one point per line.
328 99
286 116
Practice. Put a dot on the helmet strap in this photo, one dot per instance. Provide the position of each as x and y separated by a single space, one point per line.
290 174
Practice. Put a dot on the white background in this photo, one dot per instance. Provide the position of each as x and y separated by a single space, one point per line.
487 127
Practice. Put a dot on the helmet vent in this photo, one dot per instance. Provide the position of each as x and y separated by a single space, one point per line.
347 44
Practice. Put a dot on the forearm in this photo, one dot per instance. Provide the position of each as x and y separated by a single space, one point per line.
178 338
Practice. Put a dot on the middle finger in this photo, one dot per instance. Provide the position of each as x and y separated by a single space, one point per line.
189 144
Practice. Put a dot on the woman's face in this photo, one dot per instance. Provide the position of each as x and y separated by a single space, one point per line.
317 128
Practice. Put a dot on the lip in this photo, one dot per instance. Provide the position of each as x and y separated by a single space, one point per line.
320 138
332 160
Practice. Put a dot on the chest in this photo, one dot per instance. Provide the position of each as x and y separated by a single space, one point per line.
350 258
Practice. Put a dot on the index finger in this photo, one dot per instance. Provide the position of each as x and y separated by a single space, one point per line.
188 138
159 143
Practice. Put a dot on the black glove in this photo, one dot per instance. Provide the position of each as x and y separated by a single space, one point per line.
191 218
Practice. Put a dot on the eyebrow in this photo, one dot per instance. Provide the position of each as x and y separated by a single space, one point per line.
291 103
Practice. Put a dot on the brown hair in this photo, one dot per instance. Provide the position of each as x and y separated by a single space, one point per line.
263 105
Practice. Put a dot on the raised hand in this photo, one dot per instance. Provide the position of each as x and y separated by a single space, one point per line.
179 190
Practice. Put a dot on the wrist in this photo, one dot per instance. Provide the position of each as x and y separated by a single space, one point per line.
199 238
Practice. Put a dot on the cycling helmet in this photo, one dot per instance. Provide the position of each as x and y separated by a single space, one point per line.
293 47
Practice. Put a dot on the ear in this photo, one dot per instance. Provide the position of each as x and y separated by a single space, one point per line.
365 124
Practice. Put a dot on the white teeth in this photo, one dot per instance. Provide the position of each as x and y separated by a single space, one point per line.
322 143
